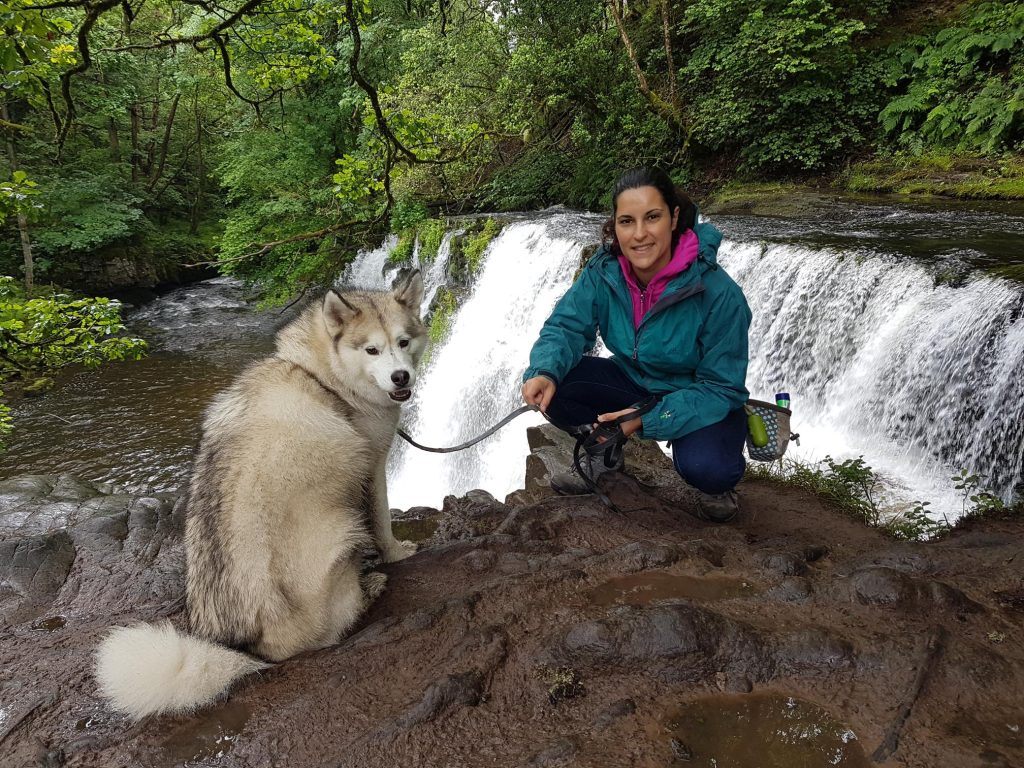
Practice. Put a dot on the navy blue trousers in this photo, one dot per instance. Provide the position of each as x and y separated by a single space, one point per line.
710 459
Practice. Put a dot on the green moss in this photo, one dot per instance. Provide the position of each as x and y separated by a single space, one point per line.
430 233
764 199
967 177
403 250
440 321
476 243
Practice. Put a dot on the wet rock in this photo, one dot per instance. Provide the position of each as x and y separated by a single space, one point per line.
907 562
594 639
26 487
616 711
32 571
540 530
558 752
812 649
890 588
791 590
815 552
418 512
679 750
737 682
478 561
102 530
448 693
783 563
510 563
707 552
70 488
733 682
642 555
682 632
475 514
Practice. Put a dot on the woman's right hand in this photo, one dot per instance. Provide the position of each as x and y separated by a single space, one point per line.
538 391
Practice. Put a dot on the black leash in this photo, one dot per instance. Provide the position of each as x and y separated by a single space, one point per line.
461 446
606 440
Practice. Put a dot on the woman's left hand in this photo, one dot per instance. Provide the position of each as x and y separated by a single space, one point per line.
628 427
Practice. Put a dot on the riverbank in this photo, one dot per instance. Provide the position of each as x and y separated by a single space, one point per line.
893 179
550 631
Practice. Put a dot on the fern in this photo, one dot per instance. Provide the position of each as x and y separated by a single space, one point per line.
962 86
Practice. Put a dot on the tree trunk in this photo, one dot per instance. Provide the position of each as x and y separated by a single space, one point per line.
200 174
115 142
26 241
159 168
133 112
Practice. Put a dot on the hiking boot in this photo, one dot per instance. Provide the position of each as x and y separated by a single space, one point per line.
717 507
571 484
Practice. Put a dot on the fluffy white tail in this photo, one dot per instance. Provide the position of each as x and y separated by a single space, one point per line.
149 669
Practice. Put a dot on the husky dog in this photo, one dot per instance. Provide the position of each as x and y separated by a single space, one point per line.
288 485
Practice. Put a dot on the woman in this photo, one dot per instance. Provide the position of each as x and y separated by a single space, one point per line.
676 324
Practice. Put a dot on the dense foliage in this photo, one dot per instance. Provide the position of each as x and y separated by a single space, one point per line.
284 134
964 84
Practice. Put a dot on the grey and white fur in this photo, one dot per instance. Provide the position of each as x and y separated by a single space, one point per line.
288 486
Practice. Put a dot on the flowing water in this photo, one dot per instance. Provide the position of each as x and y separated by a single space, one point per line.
886 325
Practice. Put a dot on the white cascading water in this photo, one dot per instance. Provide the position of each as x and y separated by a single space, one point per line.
474 378
372 271
922 379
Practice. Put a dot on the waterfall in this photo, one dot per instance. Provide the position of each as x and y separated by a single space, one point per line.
880 356
924 379
371 270
474 378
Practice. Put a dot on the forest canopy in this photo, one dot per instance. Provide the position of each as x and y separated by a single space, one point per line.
275 137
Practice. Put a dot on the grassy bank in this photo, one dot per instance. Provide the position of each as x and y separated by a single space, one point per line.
963 177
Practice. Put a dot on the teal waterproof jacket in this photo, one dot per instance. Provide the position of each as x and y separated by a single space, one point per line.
690 348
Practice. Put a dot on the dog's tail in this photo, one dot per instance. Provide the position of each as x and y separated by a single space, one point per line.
149 669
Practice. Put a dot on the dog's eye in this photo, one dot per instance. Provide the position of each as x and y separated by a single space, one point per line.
403 343
372 351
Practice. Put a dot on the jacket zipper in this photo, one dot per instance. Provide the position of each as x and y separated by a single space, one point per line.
682 293
636 331
689 291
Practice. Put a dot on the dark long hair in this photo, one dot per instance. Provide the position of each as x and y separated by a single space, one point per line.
670 193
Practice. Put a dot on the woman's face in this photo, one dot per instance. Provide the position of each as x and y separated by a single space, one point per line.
643 227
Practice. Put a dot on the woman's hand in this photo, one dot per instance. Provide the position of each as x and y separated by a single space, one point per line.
628 427
538 391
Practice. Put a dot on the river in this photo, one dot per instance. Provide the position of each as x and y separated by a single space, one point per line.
888 324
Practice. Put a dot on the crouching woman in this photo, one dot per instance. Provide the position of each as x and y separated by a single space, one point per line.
676 325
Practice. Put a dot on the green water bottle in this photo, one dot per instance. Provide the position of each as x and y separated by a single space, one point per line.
756 428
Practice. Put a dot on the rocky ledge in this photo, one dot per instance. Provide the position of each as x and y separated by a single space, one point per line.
547 631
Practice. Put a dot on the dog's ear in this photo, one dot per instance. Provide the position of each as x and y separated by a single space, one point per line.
337 312
409 292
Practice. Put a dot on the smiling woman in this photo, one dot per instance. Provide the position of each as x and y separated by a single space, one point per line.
676 325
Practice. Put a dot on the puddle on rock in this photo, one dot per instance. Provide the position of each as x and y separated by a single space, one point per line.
414 528
211 734
761 731
648 588
52 624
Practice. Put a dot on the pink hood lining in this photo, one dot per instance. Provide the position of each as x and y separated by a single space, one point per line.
683 256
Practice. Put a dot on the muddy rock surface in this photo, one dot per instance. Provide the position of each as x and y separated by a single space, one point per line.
546 631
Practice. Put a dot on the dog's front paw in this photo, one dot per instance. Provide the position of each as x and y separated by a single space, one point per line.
373 584
398 550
